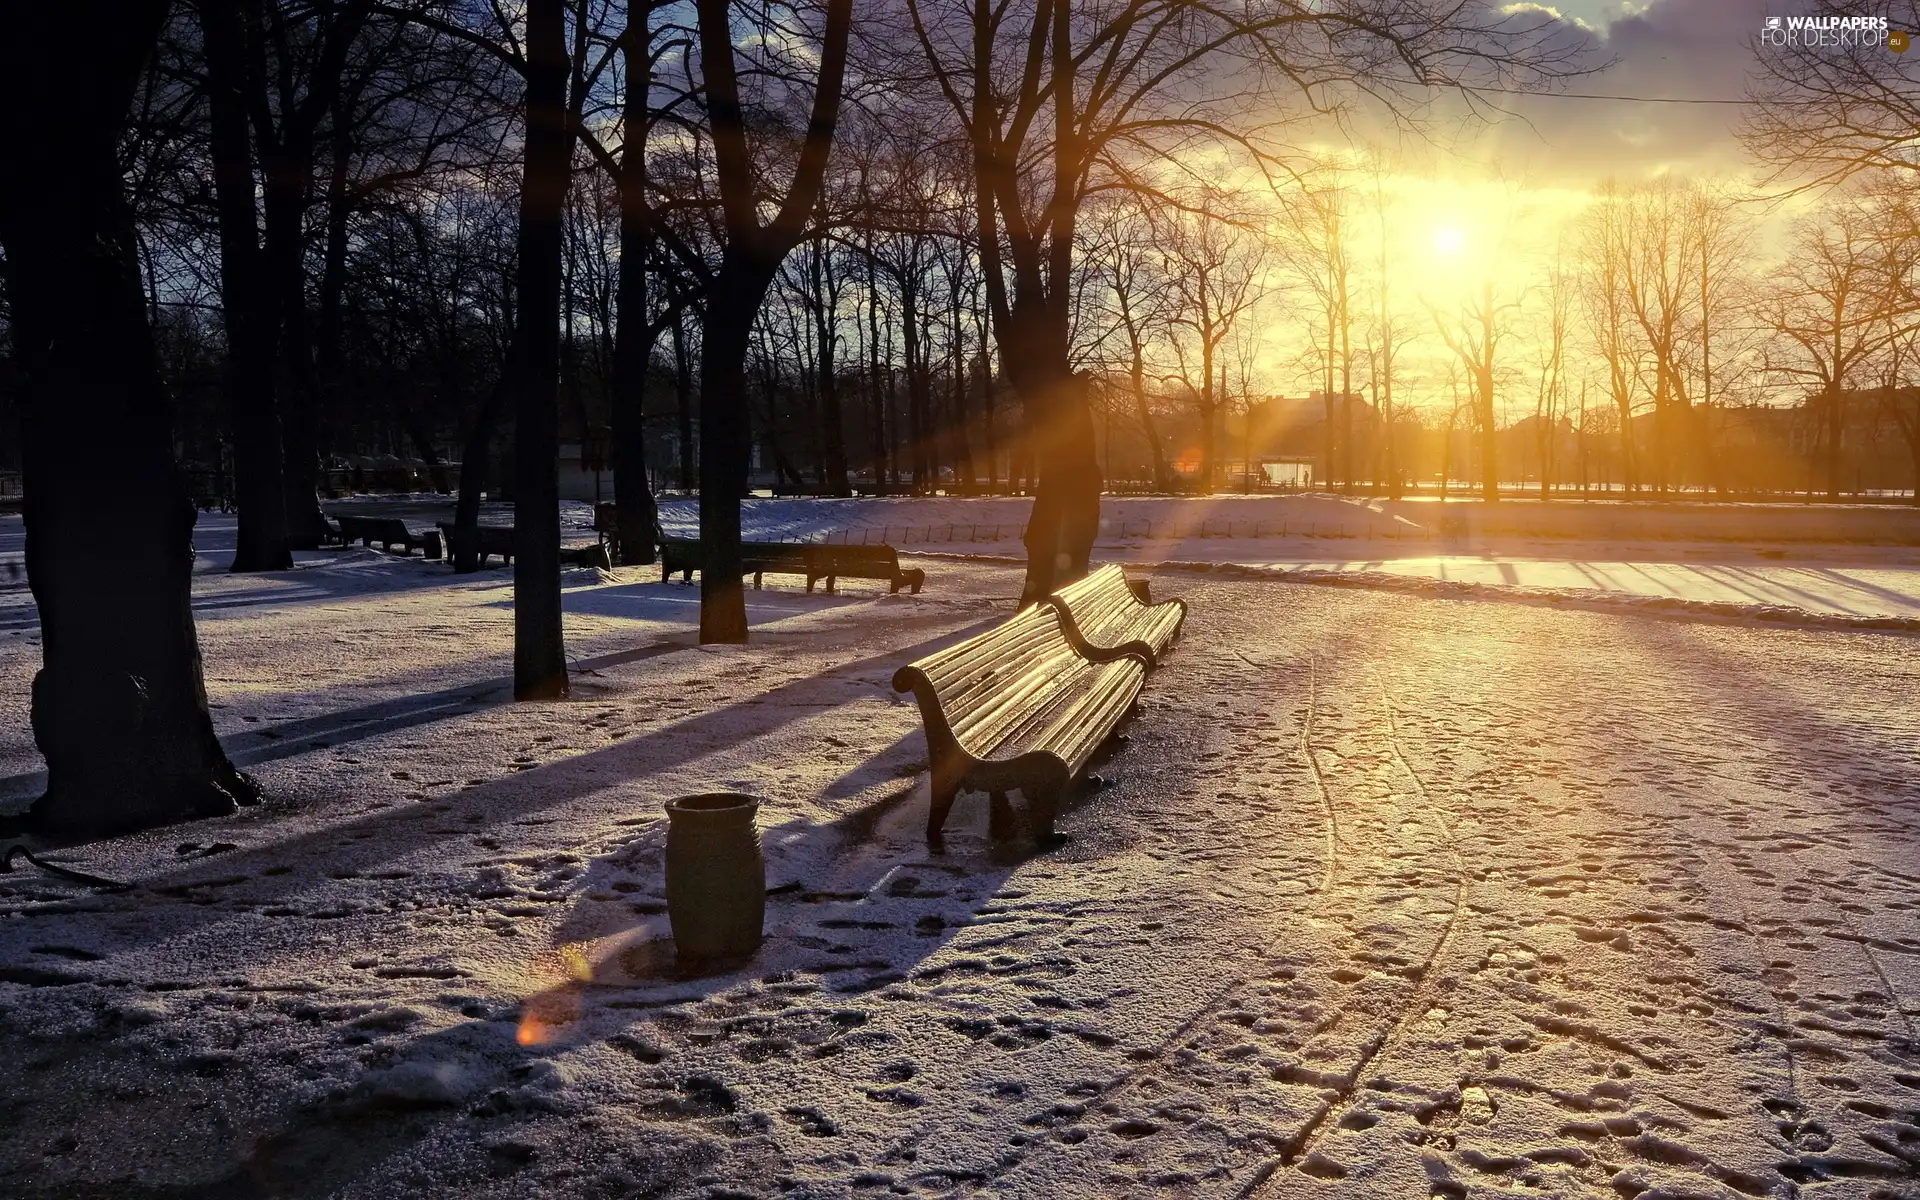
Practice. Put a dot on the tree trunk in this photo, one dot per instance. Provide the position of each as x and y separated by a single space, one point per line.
1835 425
636 332
1483 384
879 394
330 354
923 479
724 442
288 174
958 418
539 651
464 549
1065 518
1347 472
119 707
753 253
248 312
1489 440
833 422
683 397
1207 404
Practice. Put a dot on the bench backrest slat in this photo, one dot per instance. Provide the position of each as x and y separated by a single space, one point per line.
989 682
1103 616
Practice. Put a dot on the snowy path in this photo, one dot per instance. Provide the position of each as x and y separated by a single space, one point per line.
1820 588
1390 897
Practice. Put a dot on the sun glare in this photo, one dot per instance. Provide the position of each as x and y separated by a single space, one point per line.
1449 241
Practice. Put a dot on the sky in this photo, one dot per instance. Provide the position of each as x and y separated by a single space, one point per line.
1500 199
1677 49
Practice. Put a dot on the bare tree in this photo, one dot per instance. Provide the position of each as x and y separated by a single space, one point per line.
1820 119
1605 244
1549 397
1135 290
249 310
539 650
751 256
1473 334
119 707
1387 335
1835 304
1215 266
1314 240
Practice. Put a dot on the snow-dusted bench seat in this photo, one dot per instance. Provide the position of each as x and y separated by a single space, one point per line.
861 562
1017 707
1104 617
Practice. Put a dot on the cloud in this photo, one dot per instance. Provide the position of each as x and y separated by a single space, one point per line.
1543 10
1673 49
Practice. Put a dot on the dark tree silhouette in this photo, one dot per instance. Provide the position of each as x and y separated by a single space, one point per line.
248 311
539 650
748 264
637 329
119 706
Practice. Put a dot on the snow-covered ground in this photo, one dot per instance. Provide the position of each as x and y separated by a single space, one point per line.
1390 895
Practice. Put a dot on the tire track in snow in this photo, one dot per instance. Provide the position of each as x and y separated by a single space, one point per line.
1329 1112
1329 815
1231 990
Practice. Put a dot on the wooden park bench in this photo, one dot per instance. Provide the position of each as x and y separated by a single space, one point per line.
1017 707
1105 617
488 540
679 554
498 539
389 532
684 555
861 562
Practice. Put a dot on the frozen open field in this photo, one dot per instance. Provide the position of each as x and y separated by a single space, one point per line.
1391 895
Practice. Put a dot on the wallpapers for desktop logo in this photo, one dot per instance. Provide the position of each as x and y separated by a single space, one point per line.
1831 33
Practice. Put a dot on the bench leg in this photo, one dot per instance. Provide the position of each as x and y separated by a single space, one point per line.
999 817
756 581
810 582
1043 808
945 786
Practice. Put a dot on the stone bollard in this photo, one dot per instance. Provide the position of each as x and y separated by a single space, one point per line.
716 875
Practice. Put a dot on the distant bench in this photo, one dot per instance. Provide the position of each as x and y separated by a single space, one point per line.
862 562
488 539
498 539
685 556
811 559
388 532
